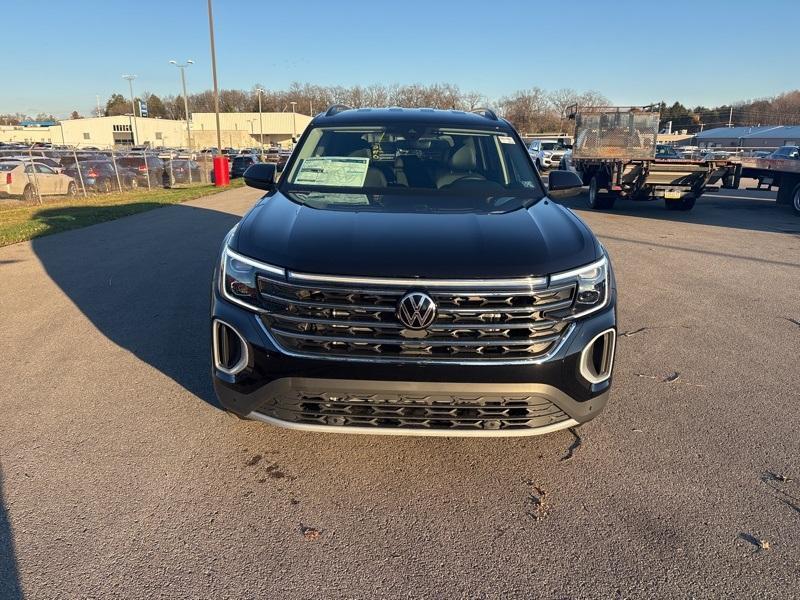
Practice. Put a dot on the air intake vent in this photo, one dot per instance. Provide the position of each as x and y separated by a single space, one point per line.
229 347
597 357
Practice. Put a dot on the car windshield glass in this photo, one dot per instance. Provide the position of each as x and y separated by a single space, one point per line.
410 157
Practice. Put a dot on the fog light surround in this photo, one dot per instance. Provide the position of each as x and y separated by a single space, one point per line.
597 357
229 348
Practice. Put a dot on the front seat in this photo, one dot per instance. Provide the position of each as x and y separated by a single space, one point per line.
375 178
462 163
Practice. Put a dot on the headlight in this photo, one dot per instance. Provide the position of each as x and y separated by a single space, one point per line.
238 278
591 293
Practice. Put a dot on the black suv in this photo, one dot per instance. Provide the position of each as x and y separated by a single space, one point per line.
408 274
241 163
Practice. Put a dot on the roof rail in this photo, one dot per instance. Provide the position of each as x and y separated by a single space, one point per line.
485 112
335 109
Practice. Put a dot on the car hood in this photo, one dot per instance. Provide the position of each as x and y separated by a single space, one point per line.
420 242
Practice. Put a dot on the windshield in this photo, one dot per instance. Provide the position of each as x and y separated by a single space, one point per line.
666 152
409 157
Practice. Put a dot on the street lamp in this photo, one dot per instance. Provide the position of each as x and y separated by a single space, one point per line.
220 162
185 98
294 123
260 121
135 131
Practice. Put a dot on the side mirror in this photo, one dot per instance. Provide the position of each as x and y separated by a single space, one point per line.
563 184
261 176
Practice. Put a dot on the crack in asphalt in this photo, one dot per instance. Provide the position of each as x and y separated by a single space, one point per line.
576 443
634 332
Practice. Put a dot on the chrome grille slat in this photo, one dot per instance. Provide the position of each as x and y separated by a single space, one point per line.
537 325
413 342
329 320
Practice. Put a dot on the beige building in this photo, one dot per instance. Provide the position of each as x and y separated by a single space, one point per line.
237 130
244 129
101 132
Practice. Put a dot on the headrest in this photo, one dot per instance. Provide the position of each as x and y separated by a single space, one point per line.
463 159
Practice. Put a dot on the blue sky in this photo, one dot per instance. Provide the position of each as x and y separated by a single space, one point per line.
701 52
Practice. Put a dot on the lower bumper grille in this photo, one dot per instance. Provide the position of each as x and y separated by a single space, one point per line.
442 412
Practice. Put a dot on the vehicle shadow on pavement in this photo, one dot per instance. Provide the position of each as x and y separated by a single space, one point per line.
10 587
739 209
144 282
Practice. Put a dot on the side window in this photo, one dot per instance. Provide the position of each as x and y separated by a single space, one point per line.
29 168
44 169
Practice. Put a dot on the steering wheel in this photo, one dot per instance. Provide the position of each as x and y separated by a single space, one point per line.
469 177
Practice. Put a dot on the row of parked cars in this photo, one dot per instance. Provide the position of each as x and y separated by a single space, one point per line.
54 171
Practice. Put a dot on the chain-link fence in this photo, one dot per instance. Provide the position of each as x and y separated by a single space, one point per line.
33 173
615 132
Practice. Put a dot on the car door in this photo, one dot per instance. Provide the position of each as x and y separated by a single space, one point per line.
49 181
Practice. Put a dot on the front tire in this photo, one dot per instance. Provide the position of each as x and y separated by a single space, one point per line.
796 199
597 200
72 190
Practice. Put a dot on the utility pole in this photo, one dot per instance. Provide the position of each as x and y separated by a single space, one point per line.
730 118
294 124
98 113
260 122
130 79
214 73
185 99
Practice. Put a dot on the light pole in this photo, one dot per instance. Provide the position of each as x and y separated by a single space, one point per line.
135 131
185 98
214 72
294 123
221 172
260 122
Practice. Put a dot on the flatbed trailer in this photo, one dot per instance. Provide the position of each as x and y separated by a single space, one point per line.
614 153
781 172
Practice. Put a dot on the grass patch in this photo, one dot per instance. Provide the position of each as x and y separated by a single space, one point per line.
20 221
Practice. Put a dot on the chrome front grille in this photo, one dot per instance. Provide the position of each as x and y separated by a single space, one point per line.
453 412
473 322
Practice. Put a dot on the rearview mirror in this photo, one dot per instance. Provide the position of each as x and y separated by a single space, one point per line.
260 176
563 184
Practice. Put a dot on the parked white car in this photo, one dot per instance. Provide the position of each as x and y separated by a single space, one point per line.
24 178
546 152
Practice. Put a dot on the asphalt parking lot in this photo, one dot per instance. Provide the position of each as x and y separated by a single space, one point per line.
120 479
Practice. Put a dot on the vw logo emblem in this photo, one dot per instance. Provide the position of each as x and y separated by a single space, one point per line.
416 310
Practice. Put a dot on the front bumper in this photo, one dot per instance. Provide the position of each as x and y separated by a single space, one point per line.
411 398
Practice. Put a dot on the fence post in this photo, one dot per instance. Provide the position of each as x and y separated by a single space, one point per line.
116 171
146 169
78 167
35 176
171 174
